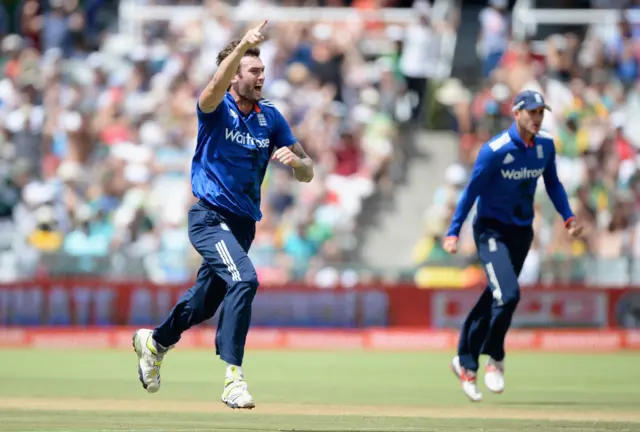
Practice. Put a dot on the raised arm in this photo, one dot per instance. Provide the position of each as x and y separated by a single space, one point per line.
214 92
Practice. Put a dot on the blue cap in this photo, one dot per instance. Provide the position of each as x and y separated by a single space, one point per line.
529 100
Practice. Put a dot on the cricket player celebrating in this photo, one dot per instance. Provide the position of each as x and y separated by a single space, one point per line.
504 180
238 132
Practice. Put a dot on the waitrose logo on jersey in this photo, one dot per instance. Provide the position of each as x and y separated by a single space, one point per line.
521 174
245 138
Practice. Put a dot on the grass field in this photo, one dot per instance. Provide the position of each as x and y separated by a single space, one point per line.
91 391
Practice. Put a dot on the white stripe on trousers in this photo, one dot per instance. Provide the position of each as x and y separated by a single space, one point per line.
221 246
493 278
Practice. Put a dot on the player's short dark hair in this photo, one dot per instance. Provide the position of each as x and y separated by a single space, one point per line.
251 52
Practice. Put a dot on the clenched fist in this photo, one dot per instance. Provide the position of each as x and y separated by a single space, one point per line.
254 36
574 228
450 245
287 157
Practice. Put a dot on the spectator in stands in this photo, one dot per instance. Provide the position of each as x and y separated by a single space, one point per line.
494 35
46 237
458 103
572 141
420 58
617 239
89 237
522 53
622 52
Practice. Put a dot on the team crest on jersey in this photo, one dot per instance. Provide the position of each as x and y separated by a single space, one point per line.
540 152
262 121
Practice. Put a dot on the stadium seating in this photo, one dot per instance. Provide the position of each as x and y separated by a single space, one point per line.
98 130
591 86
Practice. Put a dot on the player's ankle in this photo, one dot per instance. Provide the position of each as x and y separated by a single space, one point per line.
234 372
157 346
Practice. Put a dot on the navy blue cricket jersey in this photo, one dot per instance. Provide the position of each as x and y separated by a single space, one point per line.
232 154
504 181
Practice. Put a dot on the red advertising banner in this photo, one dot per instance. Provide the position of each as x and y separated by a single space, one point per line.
92 302
624 308
95 302
372 339
537 308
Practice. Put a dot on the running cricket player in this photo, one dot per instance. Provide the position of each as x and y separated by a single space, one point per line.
238 133
504 181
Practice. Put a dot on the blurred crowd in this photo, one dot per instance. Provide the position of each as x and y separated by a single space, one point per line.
98 131
591 84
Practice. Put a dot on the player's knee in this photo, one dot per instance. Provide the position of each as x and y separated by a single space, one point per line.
252 282
511 298
247 285
194 297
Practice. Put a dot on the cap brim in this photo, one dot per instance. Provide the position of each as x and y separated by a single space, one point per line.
531 107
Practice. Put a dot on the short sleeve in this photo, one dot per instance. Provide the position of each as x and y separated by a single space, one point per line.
281 134
214 115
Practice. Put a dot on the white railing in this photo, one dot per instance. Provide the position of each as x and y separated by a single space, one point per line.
526 18
132 12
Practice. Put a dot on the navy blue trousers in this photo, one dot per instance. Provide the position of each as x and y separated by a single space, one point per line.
502 250
225 277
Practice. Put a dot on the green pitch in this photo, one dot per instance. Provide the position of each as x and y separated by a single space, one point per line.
98 391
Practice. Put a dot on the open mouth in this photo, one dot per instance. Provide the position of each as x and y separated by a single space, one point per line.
258 88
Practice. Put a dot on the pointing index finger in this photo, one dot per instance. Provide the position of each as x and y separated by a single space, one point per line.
263 25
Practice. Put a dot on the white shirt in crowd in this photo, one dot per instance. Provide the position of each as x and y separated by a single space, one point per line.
494 30
421 52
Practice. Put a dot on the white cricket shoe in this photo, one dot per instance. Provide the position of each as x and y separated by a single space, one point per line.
150 357
236 394
468 379
494 375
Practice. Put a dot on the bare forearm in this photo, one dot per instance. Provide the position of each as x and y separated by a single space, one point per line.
212 95
304 173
